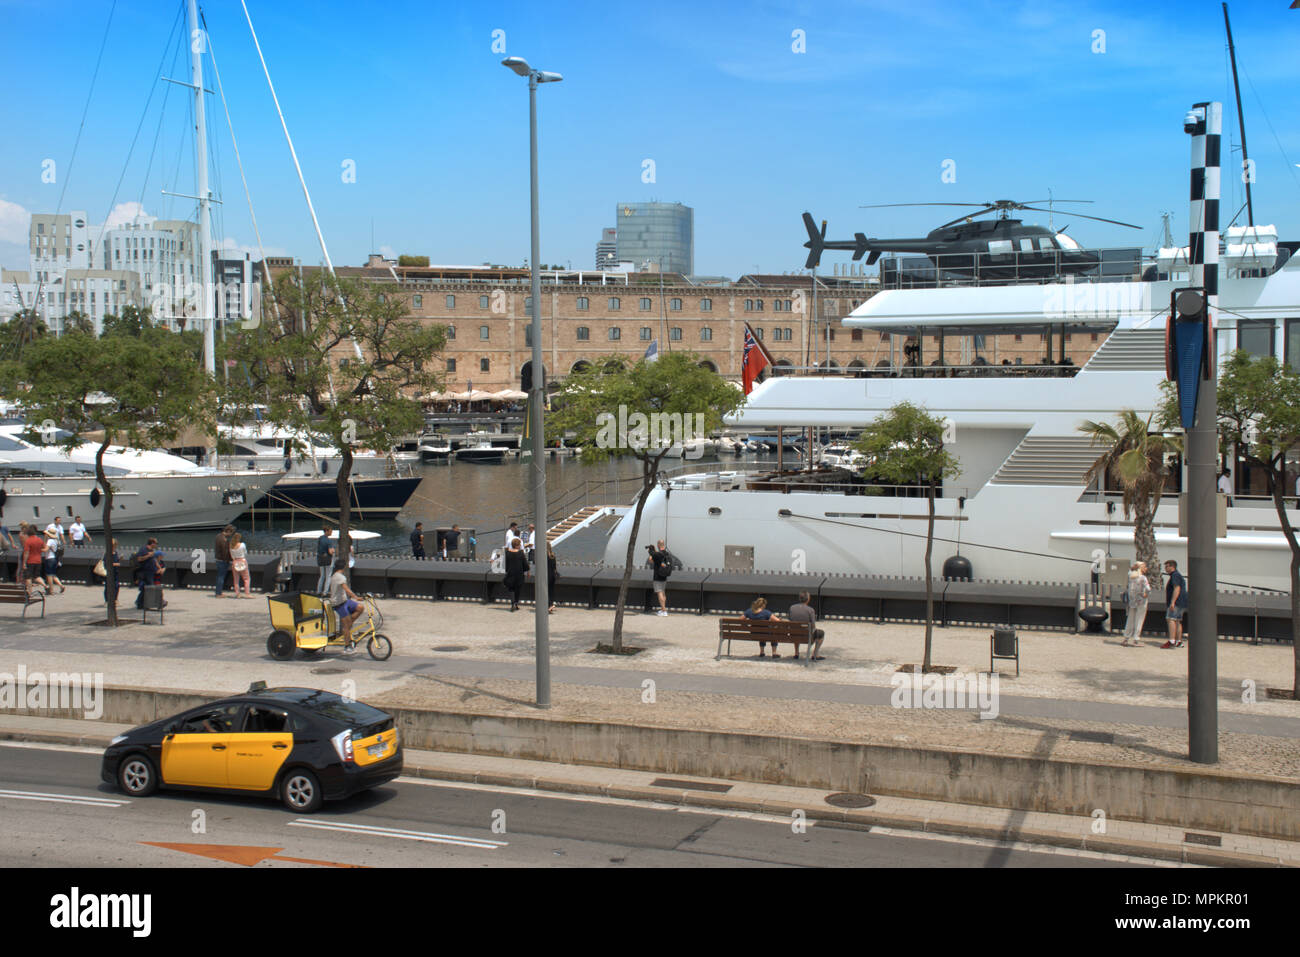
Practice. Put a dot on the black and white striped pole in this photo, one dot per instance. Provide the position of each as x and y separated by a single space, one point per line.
1194 343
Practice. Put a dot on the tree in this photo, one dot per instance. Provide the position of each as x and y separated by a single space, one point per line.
903 446
22 329
1259 415
78 321
1135 459
641 410
131 321
146 389
303 365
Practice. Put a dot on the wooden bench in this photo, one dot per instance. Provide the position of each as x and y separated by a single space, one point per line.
19 595
753 629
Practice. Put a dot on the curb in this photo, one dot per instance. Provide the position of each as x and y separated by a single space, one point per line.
864 818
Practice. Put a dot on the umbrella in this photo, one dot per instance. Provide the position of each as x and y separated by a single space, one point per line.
509 395
356 535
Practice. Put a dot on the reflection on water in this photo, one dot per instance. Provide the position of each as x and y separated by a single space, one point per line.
479 496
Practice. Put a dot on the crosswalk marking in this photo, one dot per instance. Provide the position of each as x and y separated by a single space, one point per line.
405 835
60 798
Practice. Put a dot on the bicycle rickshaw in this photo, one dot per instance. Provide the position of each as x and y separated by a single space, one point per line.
304 621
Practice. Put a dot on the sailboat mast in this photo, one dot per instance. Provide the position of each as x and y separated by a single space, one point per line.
1241 120
197 43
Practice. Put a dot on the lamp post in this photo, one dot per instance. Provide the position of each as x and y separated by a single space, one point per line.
537 396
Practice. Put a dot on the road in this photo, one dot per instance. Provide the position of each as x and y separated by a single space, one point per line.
54 811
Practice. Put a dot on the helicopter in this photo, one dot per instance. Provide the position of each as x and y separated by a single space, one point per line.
1001 248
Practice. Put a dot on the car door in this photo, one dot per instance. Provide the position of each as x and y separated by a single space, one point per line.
195 753
259 748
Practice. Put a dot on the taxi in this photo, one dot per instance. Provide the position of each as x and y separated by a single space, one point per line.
300 745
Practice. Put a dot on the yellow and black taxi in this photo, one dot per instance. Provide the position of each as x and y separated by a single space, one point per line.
301 745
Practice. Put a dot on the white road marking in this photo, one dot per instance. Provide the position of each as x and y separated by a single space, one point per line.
405 835
60 798
42 746
1030 848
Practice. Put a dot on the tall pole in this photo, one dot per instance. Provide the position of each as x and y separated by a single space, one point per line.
1205 125
197 44
537 399
1241 120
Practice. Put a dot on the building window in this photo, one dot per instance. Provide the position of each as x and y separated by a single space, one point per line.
528 336
615 303
583 333
706 305
758 333
1292 344
582 303
528 303
856 335
417 301
646 333
483 333
451 302
484 365
749 305
758 305
1019 337
645 304
615 333
675 305
451 365
675 333
776 305
1255 336
706 334
451 333
482 302
343 363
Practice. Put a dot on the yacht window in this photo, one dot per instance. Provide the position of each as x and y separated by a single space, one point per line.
1045 244
1255 336
10 445
1026 245
1000 247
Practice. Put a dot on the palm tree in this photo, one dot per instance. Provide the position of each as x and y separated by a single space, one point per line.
1135 458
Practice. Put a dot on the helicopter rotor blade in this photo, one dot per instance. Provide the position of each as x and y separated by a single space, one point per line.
1099 219
891 205
968 217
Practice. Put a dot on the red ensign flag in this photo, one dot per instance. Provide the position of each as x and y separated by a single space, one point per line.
756 358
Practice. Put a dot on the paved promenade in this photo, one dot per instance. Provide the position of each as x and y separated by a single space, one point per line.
1083 697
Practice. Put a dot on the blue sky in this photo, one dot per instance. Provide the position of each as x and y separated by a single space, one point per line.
739 125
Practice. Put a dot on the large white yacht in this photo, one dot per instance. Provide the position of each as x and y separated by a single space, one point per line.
1020 508
152 491
301 455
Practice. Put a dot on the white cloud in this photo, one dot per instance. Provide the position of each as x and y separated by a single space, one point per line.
231 245
124 213
15 223
388 252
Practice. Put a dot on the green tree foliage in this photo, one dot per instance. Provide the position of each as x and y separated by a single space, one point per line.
140 390
905 447
1134 458
612 409
78 321
302 363
22 329
405 260
131 321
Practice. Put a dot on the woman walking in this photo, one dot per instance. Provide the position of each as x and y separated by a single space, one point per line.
552 573
239 565
33 546
51 562
1138 594
516 569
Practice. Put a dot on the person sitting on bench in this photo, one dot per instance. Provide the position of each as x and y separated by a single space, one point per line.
803 611
760 612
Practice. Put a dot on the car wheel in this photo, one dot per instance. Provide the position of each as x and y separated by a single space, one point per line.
137 776
300 791
280 645
379 647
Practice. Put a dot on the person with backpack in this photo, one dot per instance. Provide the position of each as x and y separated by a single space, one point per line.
663 568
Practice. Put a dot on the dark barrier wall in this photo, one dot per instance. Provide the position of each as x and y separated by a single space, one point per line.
1029 605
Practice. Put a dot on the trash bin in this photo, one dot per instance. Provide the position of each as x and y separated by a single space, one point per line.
1004 642
153 601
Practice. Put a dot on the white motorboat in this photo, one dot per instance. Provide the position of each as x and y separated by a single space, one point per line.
303 455
478 447
434 447
152 491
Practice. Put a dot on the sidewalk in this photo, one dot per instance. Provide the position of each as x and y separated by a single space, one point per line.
1082 697
1143 842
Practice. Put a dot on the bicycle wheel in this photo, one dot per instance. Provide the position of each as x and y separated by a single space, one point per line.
379 647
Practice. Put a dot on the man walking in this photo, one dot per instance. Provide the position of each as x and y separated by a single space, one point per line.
1175 604
512 533
78 533
451 541
325 559
530 544
663 568
417 540
803 611
1225 485
221 550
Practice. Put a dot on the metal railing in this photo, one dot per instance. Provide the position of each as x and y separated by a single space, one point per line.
938 370
1014 267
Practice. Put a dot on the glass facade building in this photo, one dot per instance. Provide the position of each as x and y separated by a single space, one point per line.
657 233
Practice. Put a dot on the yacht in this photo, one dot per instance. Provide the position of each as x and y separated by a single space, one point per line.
434 447
478 447
152 491
303 455
1020 508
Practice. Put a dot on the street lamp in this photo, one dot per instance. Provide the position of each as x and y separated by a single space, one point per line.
537 396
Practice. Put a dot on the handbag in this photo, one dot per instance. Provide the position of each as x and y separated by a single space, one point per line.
241 564
99 569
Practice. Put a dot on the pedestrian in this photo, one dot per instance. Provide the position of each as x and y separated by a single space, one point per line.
1136 595
50 559
239 565
759 611
803 611
530 544
1175 604
516 567
663 568
6 543
221 550
55 529
1225 485
146 569
78 533
451 541
345 603
33 561
325 559
512 533
116 559
417 540
552 573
